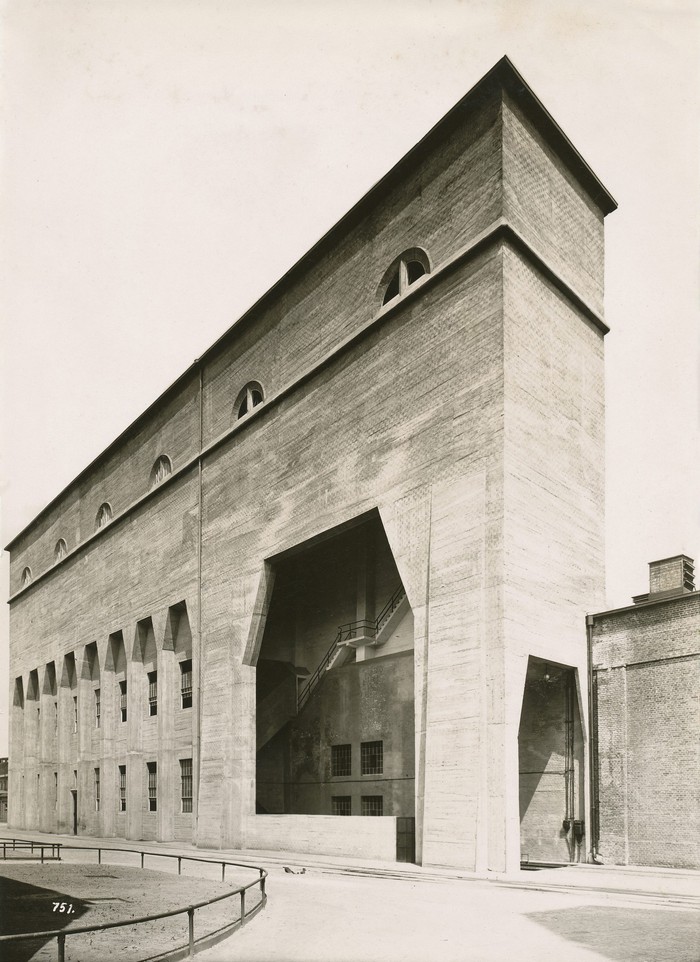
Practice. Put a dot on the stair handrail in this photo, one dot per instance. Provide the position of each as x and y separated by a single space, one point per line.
347 632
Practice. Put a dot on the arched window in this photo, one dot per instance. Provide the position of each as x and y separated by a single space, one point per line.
104 515
26 577
248 398
408 268
161 469
60 551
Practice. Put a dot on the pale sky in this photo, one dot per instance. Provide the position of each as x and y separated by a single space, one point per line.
165 161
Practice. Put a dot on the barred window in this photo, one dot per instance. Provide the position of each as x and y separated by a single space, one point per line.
186 784
372 758
372 804
186 683
75 714
341 760
104 515
341 804
122 788
97 789
152 786
153 693
97 708
160 470
122 700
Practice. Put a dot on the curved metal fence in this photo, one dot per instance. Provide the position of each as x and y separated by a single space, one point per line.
12 845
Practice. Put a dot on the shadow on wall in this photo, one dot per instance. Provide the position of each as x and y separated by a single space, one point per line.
627 934
29 908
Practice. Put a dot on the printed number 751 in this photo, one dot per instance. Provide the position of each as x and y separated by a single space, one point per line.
66 907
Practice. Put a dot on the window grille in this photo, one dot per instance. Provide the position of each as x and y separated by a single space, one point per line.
104 515
341 760
372 758
152 786
186 784
75 714
122 788
372 805
97 789
97 708
161 469
122 700
153 693
341 804
186 683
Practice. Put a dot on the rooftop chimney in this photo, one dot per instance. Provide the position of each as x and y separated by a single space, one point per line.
668 578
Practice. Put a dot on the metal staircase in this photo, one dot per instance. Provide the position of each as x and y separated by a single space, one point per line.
350 636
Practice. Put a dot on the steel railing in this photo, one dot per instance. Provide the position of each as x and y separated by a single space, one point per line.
61 934
346 633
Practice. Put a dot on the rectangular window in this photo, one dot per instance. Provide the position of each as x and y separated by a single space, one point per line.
75 714
341 760
122 788
153 693
122 700
97 708
186 683
186 784
55 791
97 789
152 786
3 783
372 805
341 804
372 758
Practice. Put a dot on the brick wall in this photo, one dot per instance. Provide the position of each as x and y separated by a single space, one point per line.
647 678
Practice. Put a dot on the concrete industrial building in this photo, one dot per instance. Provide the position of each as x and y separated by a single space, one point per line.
645 669
341 566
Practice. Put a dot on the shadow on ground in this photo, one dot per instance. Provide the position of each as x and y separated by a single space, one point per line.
628 934
30 908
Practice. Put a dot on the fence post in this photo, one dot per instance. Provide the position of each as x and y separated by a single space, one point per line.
223 870
99 856
61 947
242 907
262 885
142 854
42 854
179 865
190 919
4 850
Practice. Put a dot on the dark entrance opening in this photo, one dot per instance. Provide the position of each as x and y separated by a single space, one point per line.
334 683
550 748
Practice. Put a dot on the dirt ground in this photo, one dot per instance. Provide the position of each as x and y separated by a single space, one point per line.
39 898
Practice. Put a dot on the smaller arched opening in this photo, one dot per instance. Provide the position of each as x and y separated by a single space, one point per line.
402 273
60 551
26 577
161 469
103 516
248 398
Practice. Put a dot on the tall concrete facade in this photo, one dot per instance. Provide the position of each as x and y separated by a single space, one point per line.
422 393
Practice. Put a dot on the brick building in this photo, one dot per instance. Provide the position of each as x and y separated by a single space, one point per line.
319 578
646 718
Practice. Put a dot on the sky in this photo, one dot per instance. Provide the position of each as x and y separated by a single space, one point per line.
164 162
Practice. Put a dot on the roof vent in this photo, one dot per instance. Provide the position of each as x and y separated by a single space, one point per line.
669 577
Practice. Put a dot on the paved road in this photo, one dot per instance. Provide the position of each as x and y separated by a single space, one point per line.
319 917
